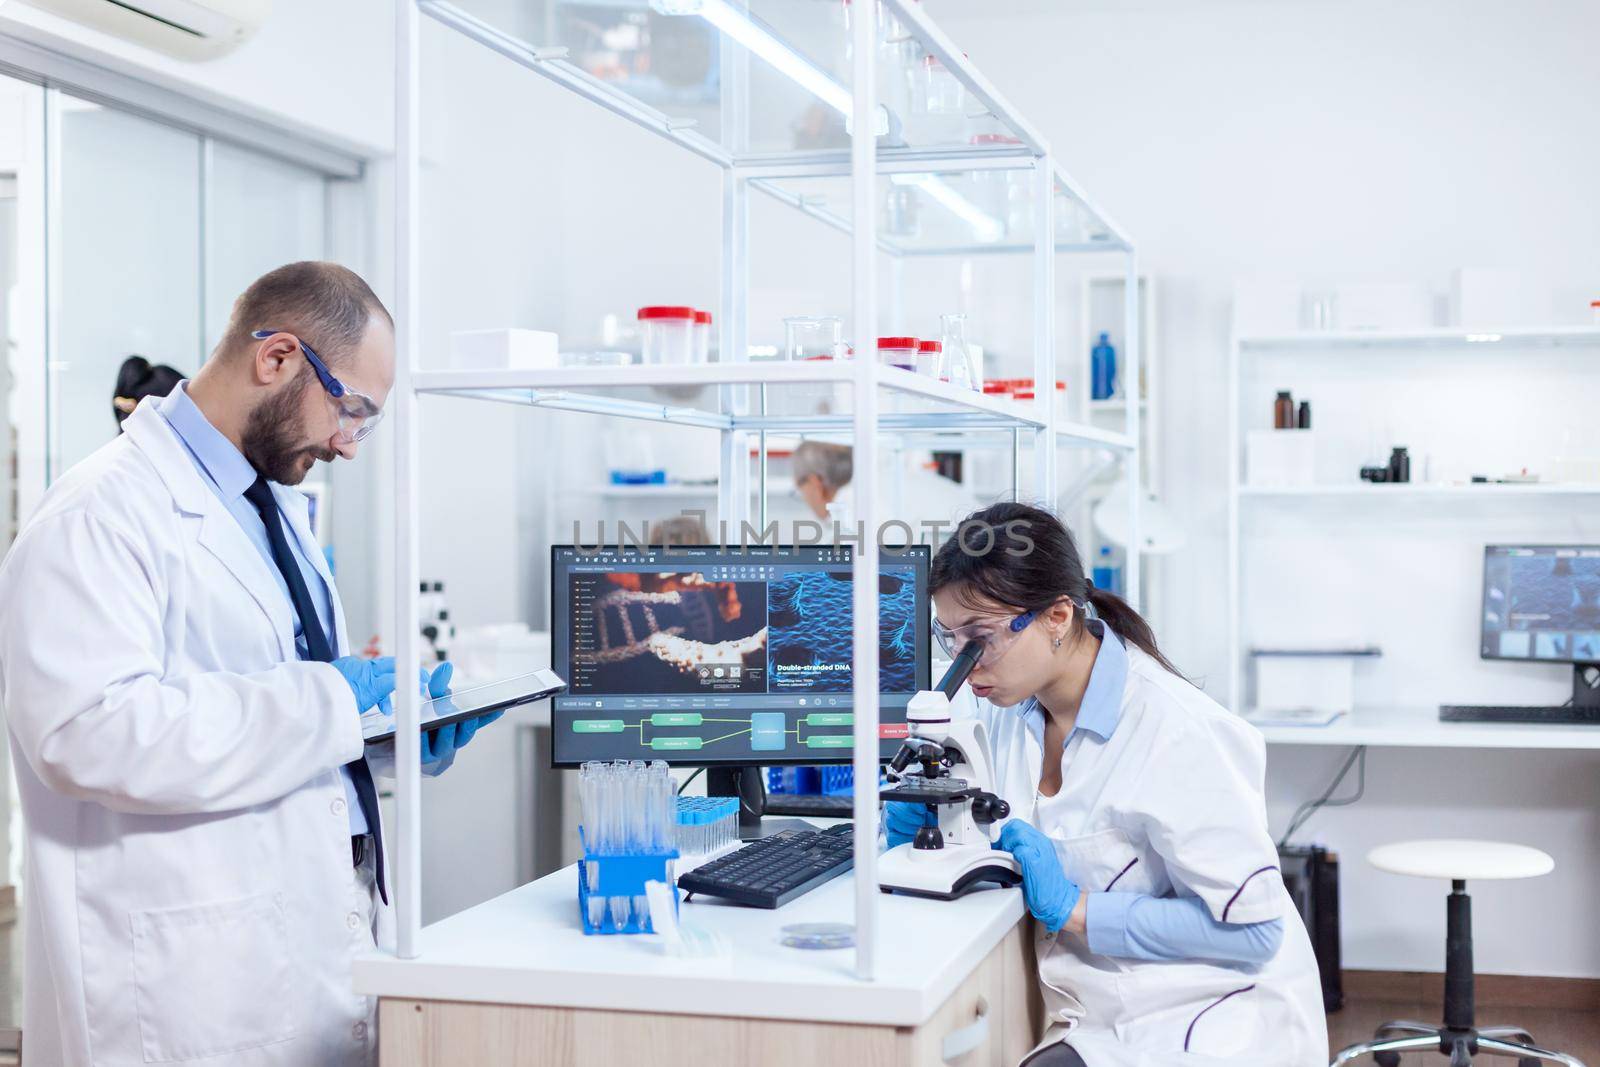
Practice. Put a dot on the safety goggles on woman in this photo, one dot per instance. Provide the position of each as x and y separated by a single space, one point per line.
359 414
997 634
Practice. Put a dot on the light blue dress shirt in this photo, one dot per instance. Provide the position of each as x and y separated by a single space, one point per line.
1137 925
229 474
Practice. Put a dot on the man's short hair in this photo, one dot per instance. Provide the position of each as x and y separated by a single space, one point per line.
827 461
323 303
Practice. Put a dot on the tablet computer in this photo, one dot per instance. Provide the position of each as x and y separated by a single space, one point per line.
378 726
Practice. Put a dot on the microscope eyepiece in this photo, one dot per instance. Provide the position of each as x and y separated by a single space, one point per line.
961 667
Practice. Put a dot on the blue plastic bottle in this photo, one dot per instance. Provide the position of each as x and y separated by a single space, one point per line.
1103 369
1107 573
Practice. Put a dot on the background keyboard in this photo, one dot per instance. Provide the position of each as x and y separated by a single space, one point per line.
1569 715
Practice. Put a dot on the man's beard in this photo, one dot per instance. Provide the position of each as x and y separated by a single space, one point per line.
272 437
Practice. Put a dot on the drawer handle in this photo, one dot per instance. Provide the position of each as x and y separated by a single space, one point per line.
962 1041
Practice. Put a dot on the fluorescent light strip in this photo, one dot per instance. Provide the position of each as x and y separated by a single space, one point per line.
986 226
740 26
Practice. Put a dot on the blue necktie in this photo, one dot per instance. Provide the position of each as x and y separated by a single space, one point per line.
318 647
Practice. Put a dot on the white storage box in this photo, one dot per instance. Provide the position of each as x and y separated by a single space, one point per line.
1280 458
504 349
1306 680
1483 299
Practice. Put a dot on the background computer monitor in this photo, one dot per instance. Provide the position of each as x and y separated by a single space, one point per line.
1541 604
726 655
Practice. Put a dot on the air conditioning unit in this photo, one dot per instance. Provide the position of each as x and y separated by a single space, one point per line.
187 29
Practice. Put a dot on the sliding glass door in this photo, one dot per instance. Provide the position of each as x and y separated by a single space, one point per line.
154 231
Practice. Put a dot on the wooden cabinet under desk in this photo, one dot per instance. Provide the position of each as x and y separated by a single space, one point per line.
513 982
996 1013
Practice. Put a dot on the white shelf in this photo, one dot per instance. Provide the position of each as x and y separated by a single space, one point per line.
1421 728
740 132
1442 337
628 492
1414 491
1117 404
923 404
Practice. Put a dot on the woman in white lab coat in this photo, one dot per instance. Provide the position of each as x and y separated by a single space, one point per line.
1165 934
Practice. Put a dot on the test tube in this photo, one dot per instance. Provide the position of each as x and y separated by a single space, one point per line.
593 828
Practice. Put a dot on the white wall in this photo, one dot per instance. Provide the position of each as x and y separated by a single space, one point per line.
321 65
1324 143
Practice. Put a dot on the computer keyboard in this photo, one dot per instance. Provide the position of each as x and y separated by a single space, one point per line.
1568 715
809 805
773 871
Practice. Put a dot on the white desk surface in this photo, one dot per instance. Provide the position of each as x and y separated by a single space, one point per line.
1421 728
527 947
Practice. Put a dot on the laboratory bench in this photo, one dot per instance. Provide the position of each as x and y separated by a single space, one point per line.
1419 727
515 981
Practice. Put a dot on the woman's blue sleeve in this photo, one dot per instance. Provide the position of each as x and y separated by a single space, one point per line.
1139 927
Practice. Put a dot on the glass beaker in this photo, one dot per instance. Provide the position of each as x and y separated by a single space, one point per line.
956 367
812 337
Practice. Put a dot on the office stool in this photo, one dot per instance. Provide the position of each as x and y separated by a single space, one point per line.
1459 1037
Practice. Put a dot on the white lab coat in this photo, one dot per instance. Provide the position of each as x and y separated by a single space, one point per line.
1170 804
189 893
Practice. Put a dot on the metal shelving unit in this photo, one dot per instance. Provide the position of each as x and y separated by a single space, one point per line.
765 52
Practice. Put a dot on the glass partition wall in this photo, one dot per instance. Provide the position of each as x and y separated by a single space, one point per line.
156 230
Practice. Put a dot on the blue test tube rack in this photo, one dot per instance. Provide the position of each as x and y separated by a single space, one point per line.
621 874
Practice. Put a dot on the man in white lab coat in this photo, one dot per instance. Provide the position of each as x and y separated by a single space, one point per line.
204 856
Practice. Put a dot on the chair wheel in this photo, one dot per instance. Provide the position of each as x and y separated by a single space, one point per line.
1387 1059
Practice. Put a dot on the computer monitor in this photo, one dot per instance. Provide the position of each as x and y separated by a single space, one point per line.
1541 604
726 655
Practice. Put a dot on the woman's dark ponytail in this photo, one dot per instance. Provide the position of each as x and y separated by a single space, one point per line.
1127 623
1025 557
138 378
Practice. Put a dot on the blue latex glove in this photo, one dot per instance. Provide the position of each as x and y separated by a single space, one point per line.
902 819
440 746
1050 894
371 680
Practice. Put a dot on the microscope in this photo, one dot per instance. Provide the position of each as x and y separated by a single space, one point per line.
953 775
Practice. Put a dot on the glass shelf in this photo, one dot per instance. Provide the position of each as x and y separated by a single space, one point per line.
932 212
666 63
800 397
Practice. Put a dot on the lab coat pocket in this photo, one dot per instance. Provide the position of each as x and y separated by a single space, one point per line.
214 978
1193 1008
1103 861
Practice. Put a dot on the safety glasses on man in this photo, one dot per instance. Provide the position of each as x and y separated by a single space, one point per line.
359 414
995 634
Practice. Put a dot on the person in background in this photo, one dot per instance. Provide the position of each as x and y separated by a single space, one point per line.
679 530
138 378
1165 933
822 472
928 501
204 849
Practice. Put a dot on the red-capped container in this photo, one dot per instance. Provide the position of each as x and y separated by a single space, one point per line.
702 336
1594 309
666 334
992 139
898 352
928 358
